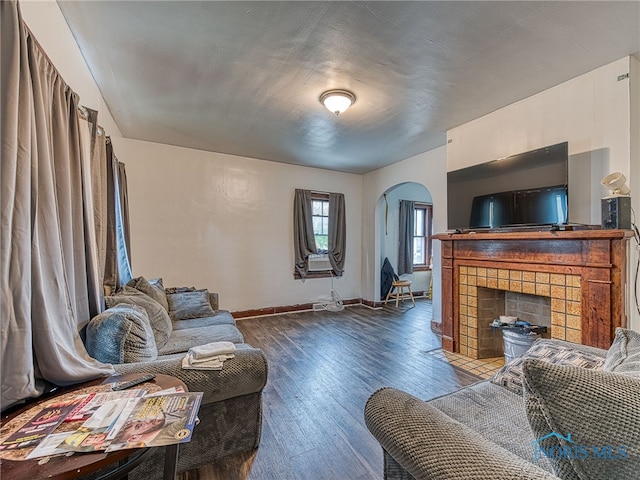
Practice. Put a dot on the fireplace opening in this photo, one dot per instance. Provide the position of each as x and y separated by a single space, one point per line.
493 303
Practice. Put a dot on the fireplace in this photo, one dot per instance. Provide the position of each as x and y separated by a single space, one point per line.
572 282
551 300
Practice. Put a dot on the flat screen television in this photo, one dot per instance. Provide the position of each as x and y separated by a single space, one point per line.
527 189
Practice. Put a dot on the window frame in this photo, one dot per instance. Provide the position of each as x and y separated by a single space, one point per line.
322 197
428 233
317 273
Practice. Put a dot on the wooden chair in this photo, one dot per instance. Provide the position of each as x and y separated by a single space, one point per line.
397 291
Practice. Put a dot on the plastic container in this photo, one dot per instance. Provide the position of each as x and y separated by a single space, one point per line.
516 343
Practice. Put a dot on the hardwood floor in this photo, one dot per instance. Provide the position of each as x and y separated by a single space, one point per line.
323 366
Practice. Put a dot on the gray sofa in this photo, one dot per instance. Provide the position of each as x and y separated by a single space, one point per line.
231 411
560 411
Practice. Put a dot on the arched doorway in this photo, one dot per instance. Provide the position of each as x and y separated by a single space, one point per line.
388 233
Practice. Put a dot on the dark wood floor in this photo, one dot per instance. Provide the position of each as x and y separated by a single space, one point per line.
323 366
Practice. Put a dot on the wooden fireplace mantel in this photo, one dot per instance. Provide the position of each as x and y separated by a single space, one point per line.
595 260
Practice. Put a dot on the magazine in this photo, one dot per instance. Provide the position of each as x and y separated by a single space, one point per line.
91 402
97 431
40 425
156 420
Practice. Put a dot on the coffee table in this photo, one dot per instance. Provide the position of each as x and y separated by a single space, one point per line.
61 467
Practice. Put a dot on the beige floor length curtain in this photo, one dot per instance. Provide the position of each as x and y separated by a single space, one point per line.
43 242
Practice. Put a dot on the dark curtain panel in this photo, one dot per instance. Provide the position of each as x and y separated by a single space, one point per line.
405 251
122 216
125 261
110 282
304 243
43 261
117 264
337 232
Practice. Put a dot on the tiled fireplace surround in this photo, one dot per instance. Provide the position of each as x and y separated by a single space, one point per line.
572 282
554 300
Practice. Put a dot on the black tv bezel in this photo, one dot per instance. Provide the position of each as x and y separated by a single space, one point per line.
514 164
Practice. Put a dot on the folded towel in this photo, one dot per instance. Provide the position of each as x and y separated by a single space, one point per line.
201 358
211 364
222 358
212 349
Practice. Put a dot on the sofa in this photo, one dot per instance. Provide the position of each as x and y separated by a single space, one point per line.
149 329
560 411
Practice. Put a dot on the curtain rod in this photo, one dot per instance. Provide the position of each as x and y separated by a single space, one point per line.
84 112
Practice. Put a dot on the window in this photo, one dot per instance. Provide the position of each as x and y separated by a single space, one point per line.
320 218
422 230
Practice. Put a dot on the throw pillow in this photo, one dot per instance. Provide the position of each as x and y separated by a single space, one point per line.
624 354
510 376
190 304
584 420
154 289
179 289
121 334
158 316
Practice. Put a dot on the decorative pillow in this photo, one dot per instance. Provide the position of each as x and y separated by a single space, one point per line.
190 304
584 420
154 289
510 376
624 354
179 289
121 334
158 316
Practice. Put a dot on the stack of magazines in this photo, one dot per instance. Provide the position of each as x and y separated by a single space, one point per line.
110 421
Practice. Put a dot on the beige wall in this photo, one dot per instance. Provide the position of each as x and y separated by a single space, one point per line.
427 169
226 223
592 112
634 182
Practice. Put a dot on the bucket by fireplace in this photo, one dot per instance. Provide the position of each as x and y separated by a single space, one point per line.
517 343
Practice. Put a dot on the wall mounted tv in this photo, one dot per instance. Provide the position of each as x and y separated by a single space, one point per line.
527 189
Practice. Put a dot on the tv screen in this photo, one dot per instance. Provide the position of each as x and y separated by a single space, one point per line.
529 188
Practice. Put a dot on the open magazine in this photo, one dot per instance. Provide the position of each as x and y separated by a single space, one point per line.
157 420
129 421
92 401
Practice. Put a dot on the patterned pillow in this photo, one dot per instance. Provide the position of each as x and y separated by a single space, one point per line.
121 334
158 316
190 304
624 354
584 420
154 289
510 376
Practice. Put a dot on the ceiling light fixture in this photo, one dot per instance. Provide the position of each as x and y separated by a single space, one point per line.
337 101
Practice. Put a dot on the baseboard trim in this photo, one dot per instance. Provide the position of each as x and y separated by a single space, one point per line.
436 327
303 307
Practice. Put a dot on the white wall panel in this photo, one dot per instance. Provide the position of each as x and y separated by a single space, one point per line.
226 223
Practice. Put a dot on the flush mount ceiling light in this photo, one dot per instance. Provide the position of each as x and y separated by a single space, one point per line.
337 101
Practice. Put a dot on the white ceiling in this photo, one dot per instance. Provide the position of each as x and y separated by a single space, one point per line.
244 78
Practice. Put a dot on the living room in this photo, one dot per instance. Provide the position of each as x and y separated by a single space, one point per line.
195 213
